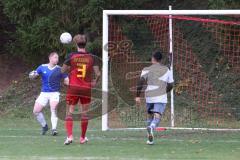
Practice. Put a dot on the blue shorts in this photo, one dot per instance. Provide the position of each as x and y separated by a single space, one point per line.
156 107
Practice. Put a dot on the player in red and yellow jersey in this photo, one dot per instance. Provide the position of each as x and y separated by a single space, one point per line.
80 65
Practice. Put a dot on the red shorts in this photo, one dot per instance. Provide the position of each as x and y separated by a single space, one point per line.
73 96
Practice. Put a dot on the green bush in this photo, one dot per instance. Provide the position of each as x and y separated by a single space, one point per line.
40 23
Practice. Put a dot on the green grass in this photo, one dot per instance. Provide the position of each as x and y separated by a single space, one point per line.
20 139
20 136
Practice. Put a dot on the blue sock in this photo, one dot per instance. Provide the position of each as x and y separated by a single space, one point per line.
149 121
155 123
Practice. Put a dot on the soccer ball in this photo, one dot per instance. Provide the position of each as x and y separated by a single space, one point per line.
66 38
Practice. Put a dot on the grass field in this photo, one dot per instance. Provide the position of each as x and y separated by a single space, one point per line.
20 139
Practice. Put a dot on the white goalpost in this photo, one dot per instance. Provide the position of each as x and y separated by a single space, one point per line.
171 67
105 74
105 56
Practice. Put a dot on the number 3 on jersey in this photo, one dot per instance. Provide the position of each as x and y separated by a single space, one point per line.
82 69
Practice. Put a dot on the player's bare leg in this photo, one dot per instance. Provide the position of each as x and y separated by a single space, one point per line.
69 124
37 111
84 123
54 118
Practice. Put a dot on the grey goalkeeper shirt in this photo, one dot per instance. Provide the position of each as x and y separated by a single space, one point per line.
157 76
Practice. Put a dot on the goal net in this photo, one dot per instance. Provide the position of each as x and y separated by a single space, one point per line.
206 65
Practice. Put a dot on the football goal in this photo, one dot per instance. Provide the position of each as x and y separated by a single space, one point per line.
202 50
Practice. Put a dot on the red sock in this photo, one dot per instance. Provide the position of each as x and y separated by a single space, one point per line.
84 125
69 125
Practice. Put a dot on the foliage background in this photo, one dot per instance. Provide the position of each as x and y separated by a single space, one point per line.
31 28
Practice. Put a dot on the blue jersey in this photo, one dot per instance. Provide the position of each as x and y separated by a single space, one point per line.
51 78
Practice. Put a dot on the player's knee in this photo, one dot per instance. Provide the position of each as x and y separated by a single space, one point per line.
35 113
157 115
53 105
68 118
37 108
53 110
84 117
150 114
68 113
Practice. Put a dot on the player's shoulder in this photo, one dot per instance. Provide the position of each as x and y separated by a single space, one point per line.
159 66
72 54
43 65
69 54
145 71
92 56
146 68
88 54
164 67
57 66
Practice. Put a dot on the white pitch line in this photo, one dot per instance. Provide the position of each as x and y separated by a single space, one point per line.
56 158
134 139
29 129
73 158
136 129
85 158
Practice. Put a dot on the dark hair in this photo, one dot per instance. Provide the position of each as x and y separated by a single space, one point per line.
80 40
157 56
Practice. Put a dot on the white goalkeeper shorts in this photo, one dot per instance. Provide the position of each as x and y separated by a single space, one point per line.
46 97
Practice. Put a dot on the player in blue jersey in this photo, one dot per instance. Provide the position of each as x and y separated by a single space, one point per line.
51 80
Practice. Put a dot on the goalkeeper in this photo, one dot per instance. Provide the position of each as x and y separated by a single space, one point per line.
51 78
159 81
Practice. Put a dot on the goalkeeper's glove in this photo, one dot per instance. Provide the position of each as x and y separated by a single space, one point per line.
33 75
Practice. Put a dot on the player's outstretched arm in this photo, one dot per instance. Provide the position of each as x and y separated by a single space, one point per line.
140 84
97 75
33 74
66 81
169 87
65 68
170 82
